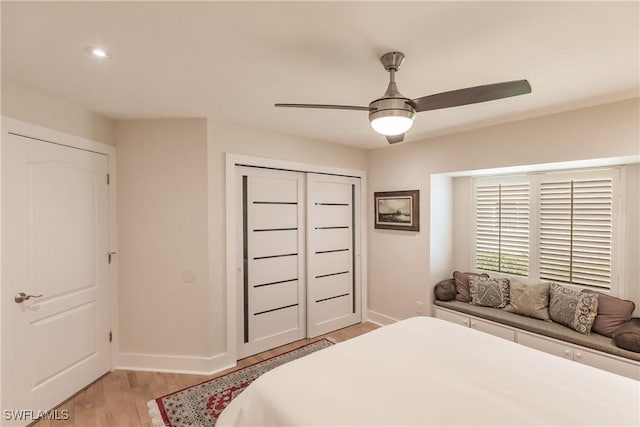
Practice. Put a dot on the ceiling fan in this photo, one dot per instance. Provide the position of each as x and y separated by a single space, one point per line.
393 113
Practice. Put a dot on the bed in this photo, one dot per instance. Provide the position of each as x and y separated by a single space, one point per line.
425 371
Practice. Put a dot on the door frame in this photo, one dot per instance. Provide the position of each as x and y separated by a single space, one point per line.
29 130
232 272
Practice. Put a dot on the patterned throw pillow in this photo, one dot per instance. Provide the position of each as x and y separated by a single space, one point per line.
462 284
529 300
572 308
488 291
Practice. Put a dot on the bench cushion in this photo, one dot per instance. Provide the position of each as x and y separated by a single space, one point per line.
549 329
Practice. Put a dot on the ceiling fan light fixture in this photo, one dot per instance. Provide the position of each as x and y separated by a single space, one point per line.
391 125
392 114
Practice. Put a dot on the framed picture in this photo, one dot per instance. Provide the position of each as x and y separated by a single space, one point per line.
397 210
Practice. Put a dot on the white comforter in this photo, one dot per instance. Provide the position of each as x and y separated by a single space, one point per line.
424 371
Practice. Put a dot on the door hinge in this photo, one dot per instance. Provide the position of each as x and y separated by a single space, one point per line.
110 256
108 179
110 336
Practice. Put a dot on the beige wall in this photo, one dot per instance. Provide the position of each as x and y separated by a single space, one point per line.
397 281
441 227
28 105
225 138
463 220
162 234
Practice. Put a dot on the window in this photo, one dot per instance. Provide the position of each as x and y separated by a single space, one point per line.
502 228
556 226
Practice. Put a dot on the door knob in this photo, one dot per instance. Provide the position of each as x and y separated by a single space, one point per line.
23 297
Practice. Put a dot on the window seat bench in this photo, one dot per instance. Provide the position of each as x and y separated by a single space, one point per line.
595 350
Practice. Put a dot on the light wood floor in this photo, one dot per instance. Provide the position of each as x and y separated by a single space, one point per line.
119 399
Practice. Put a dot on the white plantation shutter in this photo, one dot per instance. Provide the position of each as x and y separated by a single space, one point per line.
502 228
488 227
555 235
576 218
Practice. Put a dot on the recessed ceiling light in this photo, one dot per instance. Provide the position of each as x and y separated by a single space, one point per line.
97 52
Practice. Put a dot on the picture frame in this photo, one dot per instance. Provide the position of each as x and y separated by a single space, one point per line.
397 210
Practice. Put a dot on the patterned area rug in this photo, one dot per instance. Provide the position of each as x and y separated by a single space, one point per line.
200 405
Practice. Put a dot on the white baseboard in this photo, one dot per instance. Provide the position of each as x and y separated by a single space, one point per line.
198 365
379 318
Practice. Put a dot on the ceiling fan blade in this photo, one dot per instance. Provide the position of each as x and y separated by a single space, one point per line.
394 139
472 95
325 106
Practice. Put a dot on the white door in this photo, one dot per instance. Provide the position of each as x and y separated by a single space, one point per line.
54 247
271 288
333 248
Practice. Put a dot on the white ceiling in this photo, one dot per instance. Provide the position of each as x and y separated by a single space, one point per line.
233 61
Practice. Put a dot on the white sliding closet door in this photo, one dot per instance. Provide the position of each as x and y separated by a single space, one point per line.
271 295
333 253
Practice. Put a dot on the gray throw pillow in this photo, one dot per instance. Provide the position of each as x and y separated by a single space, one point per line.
529 300
612 312
489 291
627 336
572 308
445 290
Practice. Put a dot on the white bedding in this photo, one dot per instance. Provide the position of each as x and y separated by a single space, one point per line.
425 371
